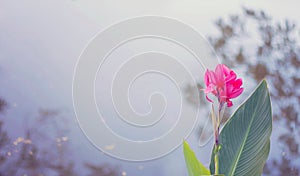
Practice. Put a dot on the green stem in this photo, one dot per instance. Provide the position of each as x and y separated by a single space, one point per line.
217 162
217 144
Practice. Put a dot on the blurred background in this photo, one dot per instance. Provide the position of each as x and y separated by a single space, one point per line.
40 42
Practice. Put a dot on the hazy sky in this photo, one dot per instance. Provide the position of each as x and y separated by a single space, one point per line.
43 39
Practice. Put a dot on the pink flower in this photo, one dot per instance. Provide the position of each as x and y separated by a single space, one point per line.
223 84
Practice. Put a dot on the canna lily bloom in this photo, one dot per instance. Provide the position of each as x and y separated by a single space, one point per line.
222 83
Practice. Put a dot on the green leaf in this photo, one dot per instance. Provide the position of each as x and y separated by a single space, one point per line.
245 138
195 167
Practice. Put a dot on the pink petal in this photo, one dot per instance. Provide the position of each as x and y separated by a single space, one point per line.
229 88
212 77
235 93
208 99
208 89
206 78
219 73
231 76
226 70
229 103
237 83
223 93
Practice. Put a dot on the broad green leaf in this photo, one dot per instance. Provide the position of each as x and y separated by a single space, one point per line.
245 138
195 167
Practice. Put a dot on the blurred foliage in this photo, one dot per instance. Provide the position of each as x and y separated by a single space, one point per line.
43 150
265 48
103 170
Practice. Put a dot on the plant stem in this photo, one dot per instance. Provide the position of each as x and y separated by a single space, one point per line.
217 147
216 162
216 152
